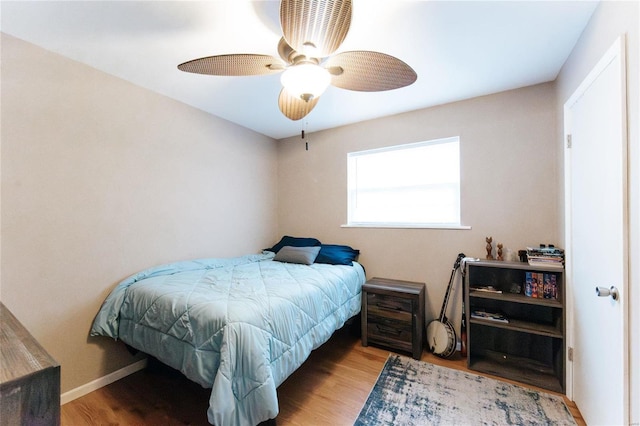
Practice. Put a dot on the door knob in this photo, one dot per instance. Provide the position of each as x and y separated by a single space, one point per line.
604 292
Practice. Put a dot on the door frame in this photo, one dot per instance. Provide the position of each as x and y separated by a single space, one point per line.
617 50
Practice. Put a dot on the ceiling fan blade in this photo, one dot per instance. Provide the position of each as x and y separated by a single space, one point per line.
293 107
315 28
366 71
234 65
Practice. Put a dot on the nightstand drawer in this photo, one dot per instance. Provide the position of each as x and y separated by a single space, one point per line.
380 328
389 306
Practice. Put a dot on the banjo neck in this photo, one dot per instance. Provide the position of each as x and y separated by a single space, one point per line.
445 302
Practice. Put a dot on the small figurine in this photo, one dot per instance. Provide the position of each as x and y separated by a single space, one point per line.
489 240
500 257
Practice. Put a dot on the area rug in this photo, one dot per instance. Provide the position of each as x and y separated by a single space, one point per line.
410 392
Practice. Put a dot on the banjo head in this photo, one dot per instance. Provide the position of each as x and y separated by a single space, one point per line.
441 338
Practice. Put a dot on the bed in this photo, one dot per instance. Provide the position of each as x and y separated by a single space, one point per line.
239 326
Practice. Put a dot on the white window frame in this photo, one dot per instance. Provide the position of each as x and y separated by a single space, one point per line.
352 190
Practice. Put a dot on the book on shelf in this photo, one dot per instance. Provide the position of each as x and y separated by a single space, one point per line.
491 316
546 261
541 285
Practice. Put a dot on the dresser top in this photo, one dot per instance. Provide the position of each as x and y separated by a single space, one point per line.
21 354
388 284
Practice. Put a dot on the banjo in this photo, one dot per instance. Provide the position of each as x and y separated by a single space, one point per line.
441 336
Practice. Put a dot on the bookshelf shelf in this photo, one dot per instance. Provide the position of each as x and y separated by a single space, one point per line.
526 339
523 326
515 298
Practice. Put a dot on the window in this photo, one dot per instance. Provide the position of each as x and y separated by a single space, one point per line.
414 185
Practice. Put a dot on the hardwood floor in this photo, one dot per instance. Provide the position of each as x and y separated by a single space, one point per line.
329 389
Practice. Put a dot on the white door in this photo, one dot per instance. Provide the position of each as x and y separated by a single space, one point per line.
597 255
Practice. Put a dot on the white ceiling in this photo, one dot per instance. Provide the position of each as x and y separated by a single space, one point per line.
459 49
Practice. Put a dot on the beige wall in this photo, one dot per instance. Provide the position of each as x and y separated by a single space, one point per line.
610 20
101 178
509 185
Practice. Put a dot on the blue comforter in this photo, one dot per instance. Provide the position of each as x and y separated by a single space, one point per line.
240 326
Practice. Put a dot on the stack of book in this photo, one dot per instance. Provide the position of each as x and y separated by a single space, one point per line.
491 316
547 256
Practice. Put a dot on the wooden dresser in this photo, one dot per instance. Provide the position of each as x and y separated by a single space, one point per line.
393 315
29 377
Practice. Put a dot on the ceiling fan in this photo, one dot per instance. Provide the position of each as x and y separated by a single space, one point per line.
312 31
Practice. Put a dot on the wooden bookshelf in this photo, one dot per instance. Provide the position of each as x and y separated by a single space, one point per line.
530 346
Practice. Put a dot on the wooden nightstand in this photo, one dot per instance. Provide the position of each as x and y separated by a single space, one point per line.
393 315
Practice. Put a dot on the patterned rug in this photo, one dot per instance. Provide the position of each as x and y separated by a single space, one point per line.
410 392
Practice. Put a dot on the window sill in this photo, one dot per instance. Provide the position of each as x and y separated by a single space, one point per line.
404 226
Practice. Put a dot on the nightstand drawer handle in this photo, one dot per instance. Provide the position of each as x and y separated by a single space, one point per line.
388 330
382 305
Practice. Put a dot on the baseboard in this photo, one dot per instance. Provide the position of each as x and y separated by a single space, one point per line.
102 382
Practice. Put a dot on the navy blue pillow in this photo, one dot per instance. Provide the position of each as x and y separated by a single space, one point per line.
294 242
335 254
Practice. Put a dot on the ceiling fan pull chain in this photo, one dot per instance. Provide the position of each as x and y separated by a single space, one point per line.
306 143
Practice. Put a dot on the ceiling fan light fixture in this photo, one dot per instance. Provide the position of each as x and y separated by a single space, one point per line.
312 30
306 81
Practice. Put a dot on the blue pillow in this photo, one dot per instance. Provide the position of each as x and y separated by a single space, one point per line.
294 242
335 254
